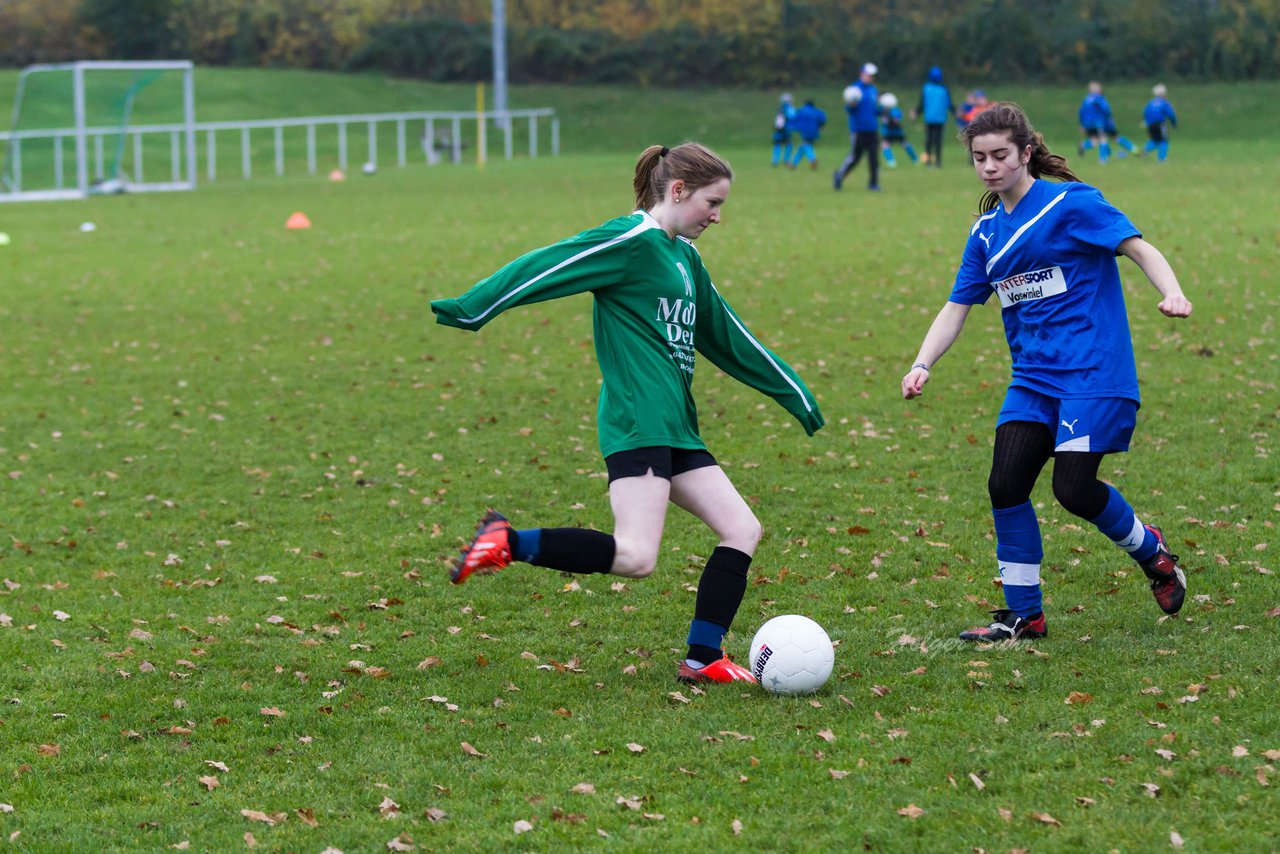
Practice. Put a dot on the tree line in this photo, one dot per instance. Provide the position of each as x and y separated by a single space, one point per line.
670 43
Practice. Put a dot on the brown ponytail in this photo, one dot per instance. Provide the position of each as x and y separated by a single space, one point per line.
691 162
1008 118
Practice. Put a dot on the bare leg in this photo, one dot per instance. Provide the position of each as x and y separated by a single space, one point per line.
640 514
708 494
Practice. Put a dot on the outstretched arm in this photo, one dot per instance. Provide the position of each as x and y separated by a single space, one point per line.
941 335
1157 270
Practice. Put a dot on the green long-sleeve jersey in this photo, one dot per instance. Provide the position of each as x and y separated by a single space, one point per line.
654 306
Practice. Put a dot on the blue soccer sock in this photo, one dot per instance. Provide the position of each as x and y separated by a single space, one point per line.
1087 145
1019 551
1163 150
911 152
525 544
1104 152
1125 143
1123 527
889 158
720 591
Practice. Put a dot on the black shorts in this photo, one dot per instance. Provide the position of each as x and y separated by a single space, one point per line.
665 462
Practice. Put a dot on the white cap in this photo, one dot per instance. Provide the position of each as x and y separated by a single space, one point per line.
870 68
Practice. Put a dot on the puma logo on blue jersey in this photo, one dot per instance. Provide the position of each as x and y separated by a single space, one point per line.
1071 426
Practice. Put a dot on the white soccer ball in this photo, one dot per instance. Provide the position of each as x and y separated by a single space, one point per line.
888 100
369 168
852 94
791 655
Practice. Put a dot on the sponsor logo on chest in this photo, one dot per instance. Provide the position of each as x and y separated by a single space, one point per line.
1033 285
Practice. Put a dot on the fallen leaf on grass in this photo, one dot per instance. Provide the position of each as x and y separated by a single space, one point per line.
522 826
1078 698
737 827
269 819
221 766
635 748
389 808
977 782
49 749
403 842
307 816
584 789
435 814
838 775
1175 839
471 751
209 782
910 811
1045 818
271 712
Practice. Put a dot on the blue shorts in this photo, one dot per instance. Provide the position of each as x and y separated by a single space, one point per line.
1089 425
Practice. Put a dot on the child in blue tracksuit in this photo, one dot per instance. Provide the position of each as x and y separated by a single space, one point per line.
782 130
891 130
935 108
1155 114
864 129
808 123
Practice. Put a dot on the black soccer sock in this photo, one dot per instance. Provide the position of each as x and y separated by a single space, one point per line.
720 592
579 550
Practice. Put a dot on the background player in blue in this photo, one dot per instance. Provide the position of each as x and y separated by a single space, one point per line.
782 130
1047 250
808 123
864 130
1094 115
892 130
1158 111
936 108
1099 125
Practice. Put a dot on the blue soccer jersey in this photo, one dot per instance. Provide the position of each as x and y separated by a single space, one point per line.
1052 264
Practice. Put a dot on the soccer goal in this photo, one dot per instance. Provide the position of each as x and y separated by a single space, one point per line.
83 128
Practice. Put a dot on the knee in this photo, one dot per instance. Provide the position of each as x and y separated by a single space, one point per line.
1086 500
632 560
1005 492
746 536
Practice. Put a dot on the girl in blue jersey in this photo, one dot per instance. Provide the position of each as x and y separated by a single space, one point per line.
1047 250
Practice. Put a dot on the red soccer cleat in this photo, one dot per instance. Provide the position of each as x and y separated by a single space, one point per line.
722 670
489 551
1007 626
1168 583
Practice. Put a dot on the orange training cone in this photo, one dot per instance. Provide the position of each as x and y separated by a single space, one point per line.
298 220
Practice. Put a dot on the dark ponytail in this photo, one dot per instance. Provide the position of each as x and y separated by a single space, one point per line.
1008 118
691 162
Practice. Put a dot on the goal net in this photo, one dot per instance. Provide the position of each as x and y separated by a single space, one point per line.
100 127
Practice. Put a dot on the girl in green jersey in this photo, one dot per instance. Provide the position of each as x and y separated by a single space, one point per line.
655 309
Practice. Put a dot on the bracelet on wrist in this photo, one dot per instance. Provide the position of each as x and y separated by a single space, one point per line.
919 365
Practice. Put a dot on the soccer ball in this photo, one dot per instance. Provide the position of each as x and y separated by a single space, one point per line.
791 655
852 94
888 100
369 168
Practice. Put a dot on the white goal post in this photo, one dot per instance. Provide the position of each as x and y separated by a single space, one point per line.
182 171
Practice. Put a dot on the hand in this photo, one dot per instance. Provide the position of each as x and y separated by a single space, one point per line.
913 383
1175 305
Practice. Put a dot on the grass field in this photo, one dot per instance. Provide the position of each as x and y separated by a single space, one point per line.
237 459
